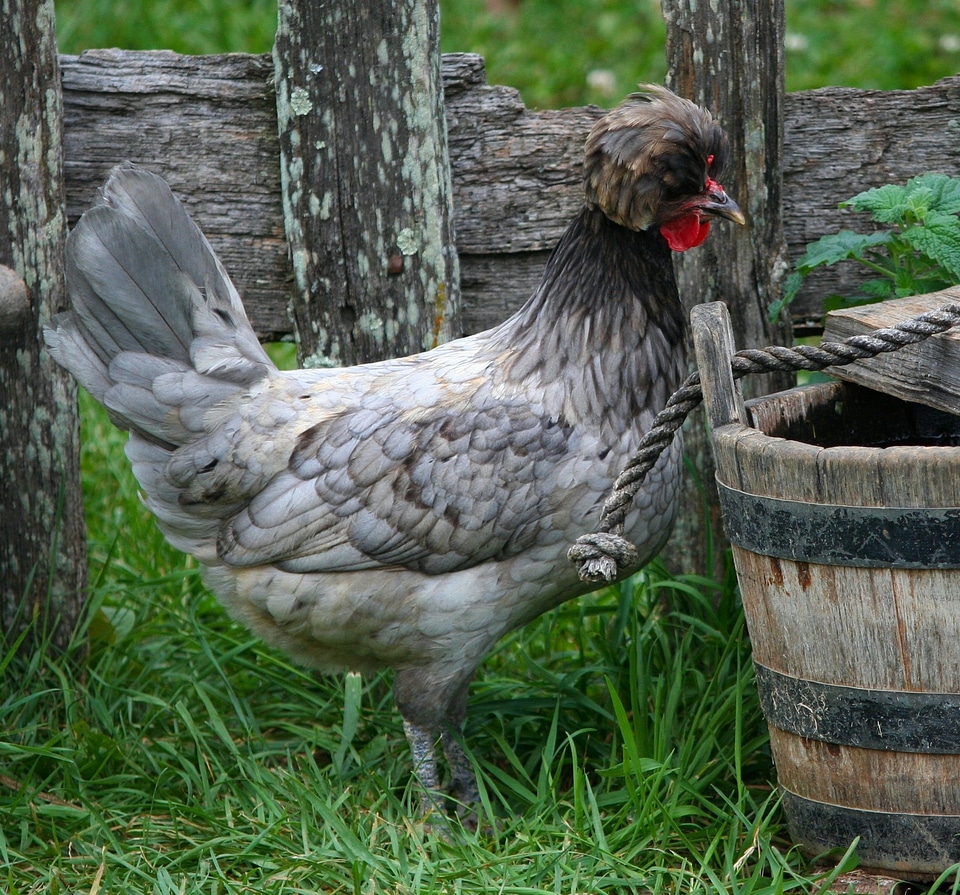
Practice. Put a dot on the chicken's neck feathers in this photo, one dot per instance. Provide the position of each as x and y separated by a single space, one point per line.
605 324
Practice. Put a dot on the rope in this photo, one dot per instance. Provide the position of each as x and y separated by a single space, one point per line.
602 555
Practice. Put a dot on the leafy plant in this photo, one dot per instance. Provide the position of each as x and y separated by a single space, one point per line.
918 252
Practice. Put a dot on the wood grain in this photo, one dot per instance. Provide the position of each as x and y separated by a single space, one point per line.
43 566
841 141
928 372
922 784
714 346
208 125
728 57
861 627
878 628
366 179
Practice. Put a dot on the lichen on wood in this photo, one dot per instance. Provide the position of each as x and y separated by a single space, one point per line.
42 532
208 125
365 178
728 56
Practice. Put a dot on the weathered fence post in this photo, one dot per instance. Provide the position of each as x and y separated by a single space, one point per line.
366 180
728 56
42 533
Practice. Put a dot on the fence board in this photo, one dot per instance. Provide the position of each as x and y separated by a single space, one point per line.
208 124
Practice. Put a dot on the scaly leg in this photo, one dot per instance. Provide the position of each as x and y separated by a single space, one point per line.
463 781
427 713
424 766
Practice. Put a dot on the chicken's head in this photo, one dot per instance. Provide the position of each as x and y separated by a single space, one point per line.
655 161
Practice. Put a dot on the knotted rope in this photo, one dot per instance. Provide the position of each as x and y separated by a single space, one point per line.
601 555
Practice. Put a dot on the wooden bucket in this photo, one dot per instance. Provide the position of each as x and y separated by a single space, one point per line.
843 506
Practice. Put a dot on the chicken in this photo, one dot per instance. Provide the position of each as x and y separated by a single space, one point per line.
408 513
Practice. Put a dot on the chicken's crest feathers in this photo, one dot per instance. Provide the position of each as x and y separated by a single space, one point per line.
645 158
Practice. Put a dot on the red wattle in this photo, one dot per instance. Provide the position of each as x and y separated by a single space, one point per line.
686 232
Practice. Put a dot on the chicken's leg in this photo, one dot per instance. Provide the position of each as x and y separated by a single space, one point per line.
463 782
421 725
424 756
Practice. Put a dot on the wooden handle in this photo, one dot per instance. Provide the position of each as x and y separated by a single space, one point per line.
713 343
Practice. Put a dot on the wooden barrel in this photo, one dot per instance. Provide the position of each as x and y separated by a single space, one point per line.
843 506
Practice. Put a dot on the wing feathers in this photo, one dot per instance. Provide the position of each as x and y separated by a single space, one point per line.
396 486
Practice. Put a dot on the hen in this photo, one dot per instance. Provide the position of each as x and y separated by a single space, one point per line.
406 513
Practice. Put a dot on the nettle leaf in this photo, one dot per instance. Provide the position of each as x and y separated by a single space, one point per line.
913 201
920 254
840 247
876 290
887 204
841 302
791 286
944 191
922 285
903 281
939 240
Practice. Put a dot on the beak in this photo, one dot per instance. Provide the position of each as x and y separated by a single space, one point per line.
720 205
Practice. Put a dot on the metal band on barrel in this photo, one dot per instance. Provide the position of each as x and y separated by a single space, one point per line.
892 720
869 537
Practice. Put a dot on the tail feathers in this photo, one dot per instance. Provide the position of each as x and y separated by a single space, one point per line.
127 291
157 331
163 398
71 349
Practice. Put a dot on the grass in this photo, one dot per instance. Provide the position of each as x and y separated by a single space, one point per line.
618 740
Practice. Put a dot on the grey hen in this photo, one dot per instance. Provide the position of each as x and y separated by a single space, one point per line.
403 514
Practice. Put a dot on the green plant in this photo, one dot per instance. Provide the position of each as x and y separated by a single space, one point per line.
918 252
